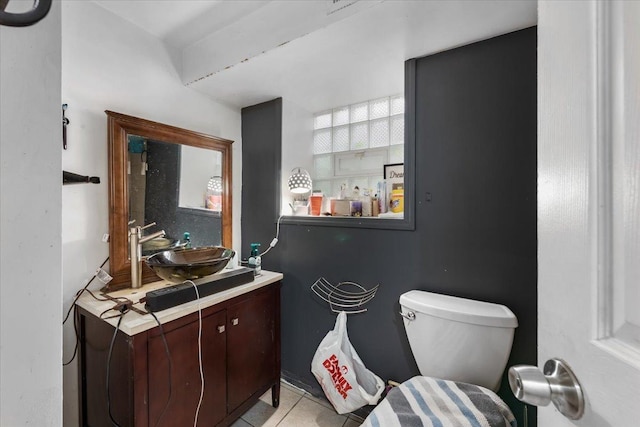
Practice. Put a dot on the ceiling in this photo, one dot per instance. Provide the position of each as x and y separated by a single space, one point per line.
317 54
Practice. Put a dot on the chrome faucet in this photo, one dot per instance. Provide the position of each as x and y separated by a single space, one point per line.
135 250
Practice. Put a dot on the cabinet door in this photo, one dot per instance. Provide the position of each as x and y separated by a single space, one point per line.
173 402
251 346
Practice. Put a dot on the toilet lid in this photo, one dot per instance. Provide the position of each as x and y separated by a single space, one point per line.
459 309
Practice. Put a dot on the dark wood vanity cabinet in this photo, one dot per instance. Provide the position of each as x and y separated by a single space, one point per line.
178 400
240 342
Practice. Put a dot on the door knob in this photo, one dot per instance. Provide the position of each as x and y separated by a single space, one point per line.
557 383
235 321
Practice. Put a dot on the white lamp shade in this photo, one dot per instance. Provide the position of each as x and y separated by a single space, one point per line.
215 184
299 181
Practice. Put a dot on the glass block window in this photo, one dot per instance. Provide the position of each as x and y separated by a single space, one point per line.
359 112
322 141
379 132
323 185
379 108
359 136
397 105
351 143
322 120
341 116
368 162
396 133
396 154
362 182
323 166
341 138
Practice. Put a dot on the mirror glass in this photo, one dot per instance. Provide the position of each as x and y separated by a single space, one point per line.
179 187
177 178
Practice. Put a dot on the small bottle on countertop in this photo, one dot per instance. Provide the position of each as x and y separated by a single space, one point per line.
187 239
255 260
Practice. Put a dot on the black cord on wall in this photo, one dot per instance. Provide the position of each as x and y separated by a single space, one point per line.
73 304
123 309
75 328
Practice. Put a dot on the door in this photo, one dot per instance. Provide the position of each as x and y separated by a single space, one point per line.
173 400
589 204
251 344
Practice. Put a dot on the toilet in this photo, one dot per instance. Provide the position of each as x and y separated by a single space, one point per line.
461 347
458 339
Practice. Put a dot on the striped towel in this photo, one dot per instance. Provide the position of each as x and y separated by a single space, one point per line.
426 402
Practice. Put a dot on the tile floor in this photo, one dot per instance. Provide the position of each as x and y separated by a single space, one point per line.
297 409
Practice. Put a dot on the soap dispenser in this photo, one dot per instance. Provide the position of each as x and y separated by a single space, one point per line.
254 259
187 239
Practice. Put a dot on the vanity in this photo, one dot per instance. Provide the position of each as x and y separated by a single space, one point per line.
240 340
136 371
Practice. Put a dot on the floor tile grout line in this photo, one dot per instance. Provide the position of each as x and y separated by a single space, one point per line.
289 411
311 398
300 396
319 400
246 422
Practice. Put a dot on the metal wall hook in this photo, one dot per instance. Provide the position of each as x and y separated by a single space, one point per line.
74 178
340 299
40 10
557 383
65 122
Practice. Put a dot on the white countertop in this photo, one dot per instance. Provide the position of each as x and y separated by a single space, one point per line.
134 323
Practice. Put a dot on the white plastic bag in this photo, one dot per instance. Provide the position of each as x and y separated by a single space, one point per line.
346 382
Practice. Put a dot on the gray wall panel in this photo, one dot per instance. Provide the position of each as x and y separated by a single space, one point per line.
475 125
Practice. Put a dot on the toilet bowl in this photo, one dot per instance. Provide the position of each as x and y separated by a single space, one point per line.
458 339
461 347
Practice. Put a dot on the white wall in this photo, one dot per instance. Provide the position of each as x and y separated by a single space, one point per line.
297 146
30 248
111 64
197 166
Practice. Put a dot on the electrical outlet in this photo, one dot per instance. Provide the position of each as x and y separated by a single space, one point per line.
105 237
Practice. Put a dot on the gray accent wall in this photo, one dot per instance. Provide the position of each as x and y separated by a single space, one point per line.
475 213
261 164
162 195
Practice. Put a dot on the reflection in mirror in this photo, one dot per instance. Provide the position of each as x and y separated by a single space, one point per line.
178 187
177 178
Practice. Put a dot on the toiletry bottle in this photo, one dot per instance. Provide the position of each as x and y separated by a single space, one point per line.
255 260
187 239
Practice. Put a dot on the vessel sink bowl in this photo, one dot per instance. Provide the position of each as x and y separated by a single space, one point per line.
182 264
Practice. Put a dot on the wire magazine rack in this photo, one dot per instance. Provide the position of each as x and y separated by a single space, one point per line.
349 297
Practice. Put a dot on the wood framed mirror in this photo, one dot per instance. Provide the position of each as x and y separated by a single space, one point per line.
175 177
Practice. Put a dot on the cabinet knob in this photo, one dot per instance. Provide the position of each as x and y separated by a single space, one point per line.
235 321
221 329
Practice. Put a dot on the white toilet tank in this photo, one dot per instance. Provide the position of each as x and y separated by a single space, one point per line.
457 338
